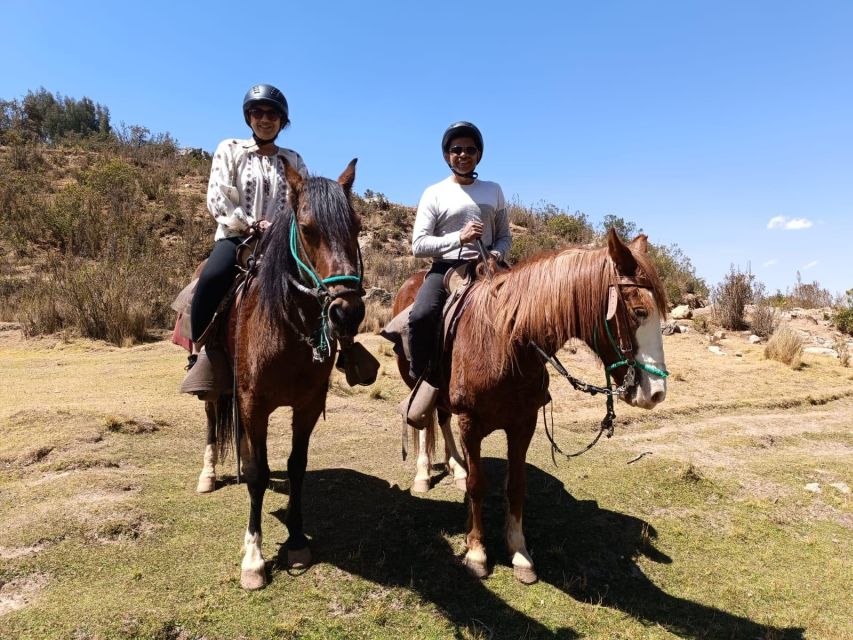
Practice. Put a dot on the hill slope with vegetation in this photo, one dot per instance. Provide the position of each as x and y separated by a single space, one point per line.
100 225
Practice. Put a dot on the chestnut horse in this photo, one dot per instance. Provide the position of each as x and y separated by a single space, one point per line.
307 295
494 378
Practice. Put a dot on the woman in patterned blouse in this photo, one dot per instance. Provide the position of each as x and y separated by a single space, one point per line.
246 192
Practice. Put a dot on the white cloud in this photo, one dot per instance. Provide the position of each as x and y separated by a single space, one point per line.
769 263
791 224
811 264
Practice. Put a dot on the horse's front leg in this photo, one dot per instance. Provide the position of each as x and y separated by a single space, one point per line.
304 419
207 477
256 471
518 441
475 556
455 463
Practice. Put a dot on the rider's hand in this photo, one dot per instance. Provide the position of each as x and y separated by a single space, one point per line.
263 225
472 230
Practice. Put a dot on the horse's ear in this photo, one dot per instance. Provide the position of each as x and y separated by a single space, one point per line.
293 177
348 176
640 243
621 255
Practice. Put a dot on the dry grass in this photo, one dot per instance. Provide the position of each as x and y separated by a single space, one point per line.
785 346
712 536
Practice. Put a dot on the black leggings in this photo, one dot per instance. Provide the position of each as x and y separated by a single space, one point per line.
426 315
213 283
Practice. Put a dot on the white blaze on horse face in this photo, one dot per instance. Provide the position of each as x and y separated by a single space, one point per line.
651 389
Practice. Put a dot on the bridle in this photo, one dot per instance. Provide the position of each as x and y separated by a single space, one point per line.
615 305
308 282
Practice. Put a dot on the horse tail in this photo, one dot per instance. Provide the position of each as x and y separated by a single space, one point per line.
224 424
429 432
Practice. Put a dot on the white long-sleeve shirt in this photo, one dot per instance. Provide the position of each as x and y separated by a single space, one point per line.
246 186
447 206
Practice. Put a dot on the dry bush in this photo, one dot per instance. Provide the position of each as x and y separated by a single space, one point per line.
786 346
730 299
765 320
388 273
376 316
843 350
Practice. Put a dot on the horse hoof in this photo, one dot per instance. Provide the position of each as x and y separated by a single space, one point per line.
477 569
252 580
525 575
420 486
299 558
206 484
461 484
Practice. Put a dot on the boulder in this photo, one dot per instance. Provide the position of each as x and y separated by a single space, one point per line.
681 312
754 339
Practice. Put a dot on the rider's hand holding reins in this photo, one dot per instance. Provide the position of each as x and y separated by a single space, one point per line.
472 230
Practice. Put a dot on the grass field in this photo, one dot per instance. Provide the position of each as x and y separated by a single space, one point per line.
710 534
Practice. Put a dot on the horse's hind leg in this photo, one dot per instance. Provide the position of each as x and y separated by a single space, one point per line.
207 477
304 419
253 456
454 461
518 441
423 464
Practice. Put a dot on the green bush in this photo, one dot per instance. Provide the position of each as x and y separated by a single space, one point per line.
843 320
571 228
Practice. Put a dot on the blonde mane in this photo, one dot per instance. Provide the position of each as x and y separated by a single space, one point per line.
548 299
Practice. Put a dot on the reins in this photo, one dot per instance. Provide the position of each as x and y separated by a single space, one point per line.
615 302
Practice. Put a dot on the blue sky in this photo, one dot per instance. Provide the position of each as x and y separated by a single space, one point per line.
723 127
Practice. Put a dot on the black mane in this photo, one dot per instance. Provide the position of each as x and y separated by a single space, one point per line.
332 215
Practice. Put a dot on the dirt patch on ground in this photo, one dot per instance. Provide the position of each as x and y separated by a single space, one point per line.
19 592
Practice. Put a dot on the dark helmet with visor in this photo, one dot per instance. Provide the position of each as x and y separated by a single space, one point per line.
461 129
266 94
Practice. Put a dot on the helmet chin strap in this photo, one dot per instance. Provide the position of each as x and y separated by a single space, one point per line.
260 141
471 174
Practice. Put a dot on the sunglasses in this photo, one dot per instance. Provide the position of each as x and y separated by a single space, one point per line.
457 150
259 114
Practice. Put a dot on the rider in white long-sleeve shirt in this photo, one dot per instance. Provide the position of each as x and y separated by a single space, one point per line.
452 215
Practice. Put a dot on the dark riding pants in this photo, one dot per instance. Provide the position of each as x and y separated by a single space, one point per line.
213 283
425 317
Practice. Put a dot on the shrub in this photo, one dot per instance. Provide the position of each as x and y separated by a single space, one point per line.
786 346
571 228
765 317
843 350
524 246
843 320
809 295
731 297
677 273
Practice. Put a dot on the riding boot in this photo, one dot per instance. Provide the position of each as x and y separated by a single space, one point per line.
208 377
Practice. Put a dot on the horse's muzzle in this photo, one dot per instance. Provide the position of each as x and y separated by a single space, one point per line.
345 316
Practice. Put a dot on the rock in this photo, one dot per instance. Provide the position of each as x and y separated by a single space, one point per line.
720 335
754 339
681 312
716 350
693 301
841 486
814 487
670 328
379 295
821 351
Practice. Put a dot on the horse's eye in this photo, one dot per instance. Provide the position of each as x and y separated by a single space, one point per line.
641 312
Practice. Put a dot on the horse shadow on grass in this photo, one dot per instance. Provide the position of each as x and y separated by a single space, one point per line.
382 533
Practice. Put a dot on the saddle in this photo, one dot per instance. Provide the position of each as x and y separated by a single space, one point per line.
416 410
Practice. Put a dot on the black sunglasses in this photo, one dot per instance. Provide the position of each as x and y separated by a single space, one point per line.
457 150
259 114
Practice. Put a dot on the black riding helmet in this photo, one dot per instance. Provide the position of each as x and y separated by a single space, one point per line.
459 130
266 94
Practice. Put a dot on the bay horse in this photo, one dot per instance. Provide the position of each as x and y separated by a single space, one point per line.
306 297
494 378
